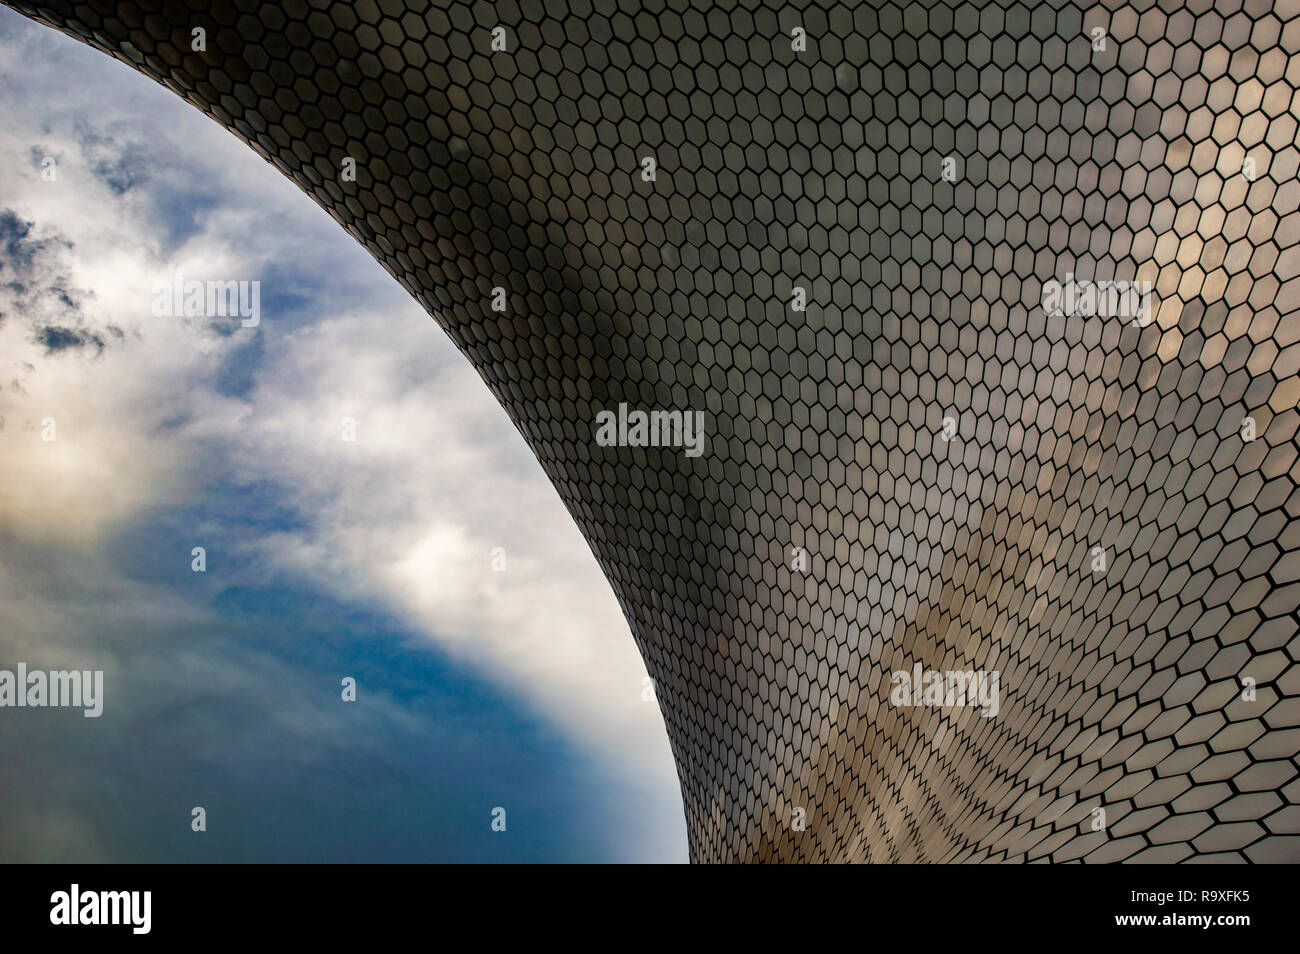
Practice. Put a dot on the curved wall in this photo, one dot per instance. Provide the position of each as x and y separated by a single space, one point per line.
832 532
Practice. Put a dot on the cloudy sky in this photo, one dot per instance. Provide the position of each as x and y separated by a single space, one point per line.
326 558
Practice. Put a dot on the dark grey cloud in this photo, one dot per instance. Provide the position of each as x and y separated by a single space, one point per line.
129 161
35 288
59 338
20 251
122 166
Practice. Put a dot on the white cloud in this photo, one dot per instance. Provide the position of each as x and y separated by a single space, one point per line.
434 481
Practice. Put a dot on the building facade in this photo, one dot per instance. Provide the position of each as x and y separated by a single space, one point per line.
923 377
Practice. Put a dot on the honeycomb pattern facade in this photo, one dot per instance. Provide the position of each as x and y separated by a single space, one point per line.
823 169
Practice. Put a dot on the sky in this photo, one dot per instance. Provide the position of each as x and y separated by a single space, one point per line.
429 558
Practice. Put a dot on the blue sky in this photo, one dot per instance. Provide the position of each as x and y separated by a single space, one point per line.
325 558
